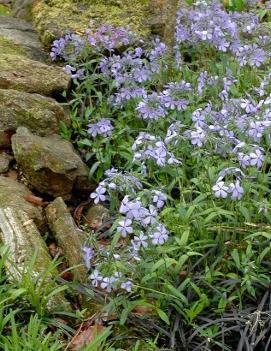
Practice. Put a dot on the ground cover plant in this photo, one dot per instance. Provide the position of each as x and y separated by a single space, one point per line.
178 144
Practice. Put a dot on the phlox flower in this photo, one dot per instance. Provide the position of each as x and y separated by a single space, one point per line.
236 190
160 235
127 286
98 195
125 227
96 278
220 190
108 283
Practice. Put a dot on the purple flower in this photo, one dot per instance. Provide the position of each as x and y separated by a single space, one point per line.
132 209
108 283
243 159
198 137
98 195
256 130
248 106
96 278
127 286
220 189
256 158
160 235
159 198
149 216
125 227
103 127
151 107
88 256
140 241
68 47
236 190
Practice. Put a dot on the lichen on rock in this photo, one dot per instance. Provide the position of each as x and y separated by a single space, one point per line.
50 164
9 47
21 73
18 37
40 114
53 18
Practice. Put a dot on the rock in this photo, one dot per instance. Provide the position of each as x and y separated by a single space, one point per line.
19 37
5 2
50 164
4 10
23 240
53 18
36 112
4 162
13 195
21 73
22 9
97 216
68 236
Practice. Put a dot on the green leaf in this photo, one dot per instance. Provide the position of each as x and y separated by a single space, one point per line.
184 238
163 316
236 258
174 291
166 262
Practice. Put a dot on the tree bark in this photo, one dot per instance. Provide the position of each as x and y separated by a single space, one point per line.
68 236
19 233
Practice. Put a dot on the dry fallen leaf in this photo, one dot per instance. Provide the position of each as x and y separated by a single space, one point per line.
143 310
84 337
35 200
13 174
78 212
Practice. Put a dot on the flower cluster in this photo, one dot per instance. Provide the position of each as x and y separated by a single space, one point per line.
149 147
225 31
233 189
103 127
115 181
67 48
108 37
137 223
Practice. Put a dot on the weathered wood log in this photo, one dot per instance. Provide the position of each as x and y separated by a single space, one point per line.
171 8
164 15
20 234
68 236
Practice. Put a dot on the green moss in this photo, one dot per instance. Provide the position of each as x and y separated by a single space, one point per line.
9 47
4 10
53 18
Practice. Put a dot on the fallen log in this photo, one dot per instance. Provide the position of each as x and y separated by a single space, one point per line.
68 236
19 233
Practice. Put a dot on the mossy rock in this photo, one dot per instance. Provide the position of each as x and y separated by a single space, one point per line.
18 37
21 73
50 164
53 18
9 47
40 114
4 10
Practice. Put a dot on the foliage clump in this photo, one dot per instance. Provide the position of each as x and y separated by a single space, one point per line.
180 148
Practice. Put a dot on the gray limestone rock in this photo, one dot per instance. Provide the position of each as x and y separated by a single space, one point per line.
14 195
22 36
21 73
40 114
22 9
50 164
4 162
